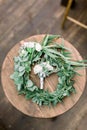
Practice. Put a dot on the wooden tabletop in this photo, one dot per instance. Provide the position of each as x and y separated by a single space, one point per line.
27 106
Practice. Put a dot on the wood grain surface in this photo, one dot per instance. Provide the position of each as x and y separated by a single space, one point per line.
27 106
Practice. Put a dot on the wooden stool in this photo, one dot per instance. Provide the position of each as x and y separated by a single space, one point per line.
27 106
70 18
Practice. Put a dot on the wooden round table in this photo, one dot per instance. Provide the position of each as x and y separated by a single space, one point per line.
27 106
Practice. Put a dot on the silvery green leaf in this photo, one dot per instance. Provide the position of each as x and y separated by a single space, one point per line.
32 88
18 81
27 69
36 58
19 87
14 75
23 53
19 58
60 80
26 53
25 59
16 59
29 83
67 92
16 66
21 73
21 68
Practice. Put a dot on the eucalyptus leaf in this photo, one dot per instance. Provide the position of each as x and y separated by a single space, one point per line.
16 59
21 68
29 83
14 75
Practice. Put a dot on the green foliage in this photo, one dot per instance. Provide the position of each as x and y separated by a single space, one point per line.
49 39
58 57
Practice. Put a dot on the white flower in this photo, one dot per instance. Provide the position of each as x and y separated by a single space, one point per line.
38 47
23 52
37 69
28 44
25 44
31 44
47 65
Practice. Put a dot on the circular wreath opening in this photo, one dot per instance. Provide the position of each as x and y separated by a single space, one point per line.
46 58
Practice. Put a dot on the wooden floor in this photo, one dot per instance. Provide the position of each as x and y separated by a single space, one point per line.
20 19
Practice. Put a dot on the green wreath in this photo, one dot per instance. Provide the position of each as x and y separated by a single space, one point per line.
47 57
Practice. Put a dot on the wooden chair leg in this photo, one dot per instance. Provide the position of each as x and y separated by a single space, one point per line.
66 12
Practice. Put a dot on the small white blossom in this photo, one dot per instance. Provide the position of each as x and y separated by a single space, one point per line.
38 47
47 65
31 44
25 44
28 44
64 94
37 69
23 52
